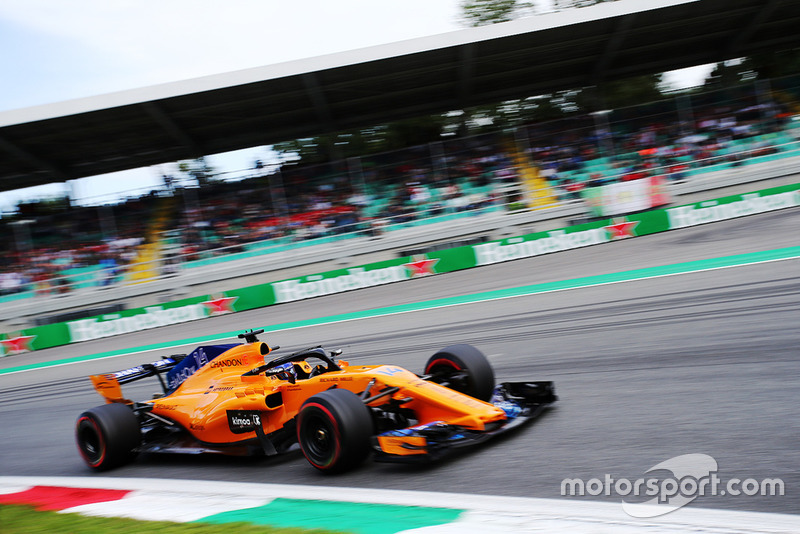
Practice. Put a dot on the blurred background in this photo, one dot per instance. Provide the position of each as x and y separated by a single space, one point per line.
559 156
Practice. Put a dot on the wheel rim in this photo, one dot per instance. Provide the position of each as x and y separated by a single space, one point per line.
319 438
454 377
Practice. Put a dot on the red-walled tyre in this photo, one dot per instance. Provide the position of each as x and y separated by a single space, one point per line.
107 436
464 369
334 429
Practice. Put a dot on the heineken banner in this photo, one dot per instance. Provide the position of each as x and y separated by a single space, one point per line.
386 272
626 197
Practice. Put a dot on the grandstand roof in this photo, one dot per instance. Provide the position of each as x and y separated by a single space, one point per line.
264 105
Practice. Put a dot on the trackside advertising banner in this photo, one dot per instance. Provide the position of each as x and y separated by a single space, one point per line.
626 197
387 272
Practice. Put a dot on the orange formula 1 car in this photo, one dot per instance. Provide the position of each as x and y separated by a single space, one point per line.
225 399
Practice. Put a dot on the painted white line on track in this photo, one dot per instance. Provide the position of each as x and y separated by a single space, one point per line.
485 514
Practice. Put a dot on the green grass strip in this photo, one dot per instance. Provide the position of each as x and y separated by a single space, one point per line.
360 518
588 281
16 519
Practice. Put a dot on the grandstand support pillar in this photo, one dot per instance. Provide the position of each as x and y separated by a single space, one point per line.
356 173
108 224
605 139
279 206
22 234
764 98
685 114
522 141
70 190
439 160
190 202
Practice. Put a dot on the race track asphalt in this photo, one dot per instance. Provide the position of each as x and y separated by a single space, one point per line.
646 370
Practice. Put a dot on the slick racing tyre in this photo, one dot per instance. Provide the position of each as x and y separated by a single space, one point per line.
107 436
462 368
334 429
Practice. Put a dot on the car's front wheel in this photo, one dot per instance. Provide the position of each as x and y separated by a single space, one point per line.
462 368
107 436
334 429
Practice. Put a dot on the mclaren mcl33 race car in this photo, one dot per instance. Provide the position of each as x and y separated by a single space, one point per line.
226 399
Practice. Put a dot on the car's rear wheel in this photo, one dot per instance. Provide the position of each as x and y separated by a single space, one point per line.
462 368
107 436
334 429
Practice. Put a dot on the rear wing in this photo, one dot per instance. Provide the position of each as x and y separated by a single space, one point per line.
178 368
108 385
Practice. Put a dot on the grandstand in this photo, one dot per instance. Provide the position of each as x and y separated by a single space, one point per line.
496 173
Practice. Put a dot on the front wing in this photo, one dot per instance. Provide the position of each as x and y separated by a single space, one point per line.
521 401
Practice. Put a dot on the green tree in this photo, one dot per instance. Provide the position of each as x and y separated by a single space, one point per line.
199 169
370 140
631 91
731 73
776 65
485 12
765 66
567 4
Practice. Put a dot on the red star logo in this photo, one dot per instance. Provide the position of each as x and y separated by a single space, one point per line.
17 345
218 306
620 229
421 266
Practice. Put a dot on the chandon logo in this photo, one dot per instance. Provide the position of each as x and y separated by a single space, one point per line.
231 362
